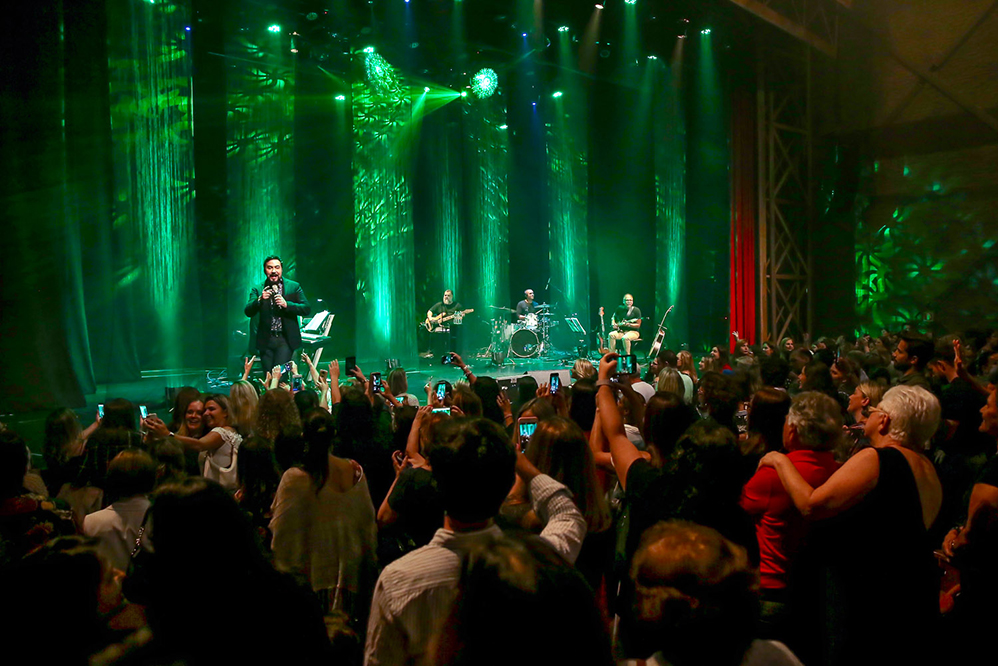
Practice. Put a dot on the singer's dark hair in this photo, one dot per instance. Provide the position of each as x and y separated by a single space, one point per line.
271 258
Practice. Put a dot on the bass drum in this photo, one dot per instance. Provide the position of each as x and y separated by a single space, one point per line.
525 344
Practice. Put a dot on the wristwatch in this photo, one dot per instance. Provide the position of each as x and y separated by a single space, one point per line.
604 382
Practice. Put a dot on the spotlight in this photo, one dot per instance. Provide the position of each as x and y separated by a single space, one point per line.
425 88
653 57
524 34
563 28
274 28
705 31
464 93
187 28
599 6
557 94
340 98
484 83
503 126
630 2
369 49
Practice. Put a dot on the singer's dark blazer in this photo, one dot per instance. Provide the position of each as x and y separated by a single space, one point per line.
297 305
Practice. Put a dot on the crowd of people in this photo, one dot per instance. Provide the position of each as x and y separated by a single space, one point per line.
825 503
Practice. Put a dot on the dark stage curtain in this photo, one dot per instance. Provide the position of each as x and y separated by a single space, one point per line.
66 325
742 266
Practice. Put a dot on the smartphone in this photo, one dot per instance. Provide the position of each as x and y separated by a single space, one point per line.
441 410
296 383
627 364
555 382
376 382
447 359
143 412
441 391
100 410
286 368
526 427
351 364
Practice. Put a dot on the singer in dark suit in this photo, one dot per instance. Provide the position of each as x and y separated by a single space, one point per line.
279 303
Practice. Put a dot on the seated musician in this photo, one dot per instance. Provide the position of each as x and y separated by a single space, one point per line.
526 306
626 324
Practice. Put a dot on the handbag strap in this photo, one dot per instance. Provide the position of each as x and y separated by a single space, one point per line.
138 537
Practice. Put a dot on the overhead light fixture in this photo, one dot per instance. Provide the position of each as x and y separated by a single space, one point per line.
274 28
563 28
653 57
599 6
340 98
557 94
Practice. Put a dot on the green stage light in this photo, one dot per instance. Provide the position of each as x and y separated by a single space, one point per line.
464 93
503 126
426 88
653 57
340 98
557 94
705 31
369 49
381 75
274 28
630 2
563 28
484 83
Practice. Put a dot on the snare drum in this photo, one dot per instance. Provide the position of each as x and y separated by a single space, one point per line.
530 321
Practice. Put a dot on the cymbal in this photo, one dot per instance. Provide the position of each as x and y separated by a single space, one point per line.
499 307
541 305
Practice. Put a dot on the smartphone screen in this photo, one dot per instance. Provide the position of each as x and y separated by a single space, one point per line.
143 411
441 391
100 410
351 363
627 365
527 425
447 359
286 368
441 410
296 383
376 382
555 382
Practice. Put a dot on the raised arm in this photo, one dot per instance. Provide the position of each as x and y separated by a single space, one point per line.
622 451
412 443
564 525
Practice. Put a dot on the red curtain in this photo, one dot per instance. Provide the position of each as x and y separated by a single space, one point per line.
742 310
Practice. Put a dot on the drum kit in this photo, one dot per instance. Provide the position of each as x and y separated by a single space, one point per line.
529 338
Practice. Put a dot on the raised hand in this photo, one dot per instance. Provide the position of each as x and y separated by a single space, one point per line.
334 371
248 365
504 404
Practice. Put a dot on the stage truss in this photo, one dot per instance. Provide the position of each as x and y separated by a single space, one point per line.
785 191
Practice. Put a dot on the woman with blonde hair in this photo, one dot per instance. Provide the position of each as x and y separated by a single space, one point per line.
670 381
276 413
686 366
243 398
583 368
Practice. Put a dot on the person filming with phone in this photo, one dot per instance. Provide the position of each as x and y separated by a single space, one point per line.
279 302
626 324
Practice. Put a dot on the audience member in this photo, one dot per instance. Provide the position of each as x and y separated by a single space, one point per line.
695 601
911 357
243 398
258 477
507 584
63 448
324 525
850 609
474 466
276 414
131 476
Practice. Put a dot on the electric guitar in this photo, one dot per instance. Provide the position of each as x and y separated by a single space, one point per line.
431 322
656 345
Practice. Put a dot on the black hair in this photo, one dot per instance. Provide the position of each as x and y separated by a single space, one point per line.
920 347
62 427
583 407
667 417
774 370
13 463
474 467
271 258
258 473
306 400
119 413
487 388
318 429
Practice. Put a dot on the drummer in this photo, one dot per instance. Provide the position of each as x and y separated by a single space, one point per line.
526 306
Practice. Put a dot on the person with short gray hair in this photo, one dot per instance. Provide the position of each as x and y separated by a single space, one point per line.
817 420
884 500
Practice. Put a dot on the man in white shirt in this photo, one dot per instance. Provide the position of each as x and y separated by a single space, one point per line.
474 466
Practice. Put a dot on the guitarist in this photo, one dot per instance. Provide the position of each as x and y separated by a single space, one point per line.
443 335
626 322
